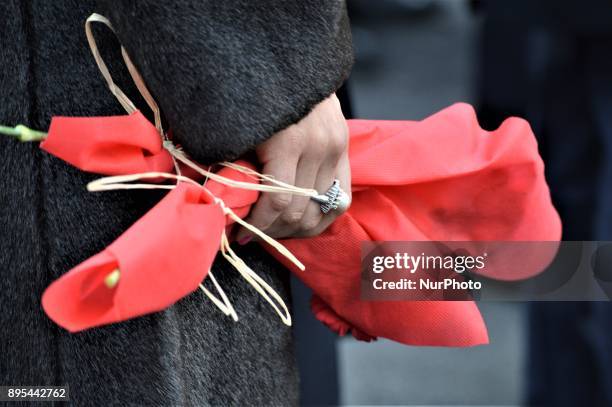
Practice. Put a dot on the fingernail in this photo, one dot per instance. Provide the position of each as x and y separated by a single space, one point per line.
245 240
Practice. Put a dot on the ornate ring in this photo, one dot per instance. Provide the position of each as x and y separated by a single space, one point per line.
333 199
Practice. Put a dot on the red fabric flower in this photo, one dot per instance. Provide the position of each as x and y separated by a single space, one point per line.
440 179
113 145
162 257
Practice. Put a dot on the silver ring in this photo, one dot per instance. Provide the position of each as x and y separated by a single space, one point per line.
333 199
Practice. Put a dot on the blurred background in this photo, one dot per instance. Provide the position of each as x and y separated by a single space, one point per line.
551 63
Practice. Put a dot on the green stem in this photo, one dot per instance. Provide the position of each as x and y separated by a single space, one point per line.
23 133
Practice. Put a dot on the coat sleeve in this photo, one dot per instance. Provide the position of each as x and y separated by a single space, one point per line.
229 74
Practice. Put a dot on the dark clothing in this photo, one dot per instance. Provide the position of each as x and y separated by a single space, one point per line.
551 62
227 75
571 343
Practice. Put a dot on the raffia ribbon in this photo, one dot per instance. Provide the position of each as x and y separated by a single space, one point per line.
125 182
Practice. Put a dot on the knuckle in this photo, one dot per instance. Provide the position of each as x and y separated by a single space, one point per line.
279 202
294 138
339 143
317 145
320 228
309 223
292 217
259 221
319 137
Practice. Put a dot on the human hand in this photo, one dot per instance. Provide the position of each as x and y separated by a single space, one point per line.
309 154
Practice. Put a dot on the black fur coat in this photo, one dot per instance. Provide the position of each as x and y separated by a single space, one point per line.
227 75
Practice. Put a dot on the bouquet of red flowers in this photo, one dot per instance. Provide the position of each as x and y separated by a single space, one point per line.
442 178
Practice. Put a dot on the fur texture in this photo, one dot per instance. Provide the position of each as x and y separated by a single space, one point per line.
228 74
253 68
